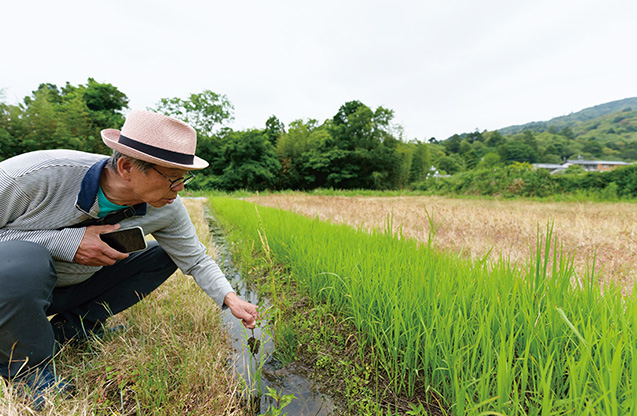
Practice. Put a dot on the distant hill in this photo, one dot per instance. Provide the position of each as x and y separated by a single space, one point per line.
575 120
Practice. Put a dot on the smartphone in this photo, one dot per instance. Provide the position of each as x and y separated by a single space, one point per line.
127 240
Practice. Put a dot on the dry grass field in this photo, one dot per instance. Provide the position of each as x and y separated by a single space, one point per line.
507 227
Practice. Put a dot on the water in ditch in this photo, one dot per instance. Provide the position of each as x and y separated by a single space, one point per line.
290 379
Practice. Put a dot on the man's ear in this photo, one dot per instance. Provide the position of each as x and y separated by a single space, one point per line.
125 168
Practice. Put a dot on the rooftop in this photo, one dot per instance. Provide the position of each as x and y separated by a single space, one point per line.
595 162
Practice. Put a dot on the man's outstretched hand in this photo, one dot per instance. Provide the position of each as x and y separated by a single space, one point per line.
245 311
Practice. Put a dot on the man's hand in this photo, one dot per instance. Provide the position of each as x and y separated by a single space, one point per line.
241 309
93 251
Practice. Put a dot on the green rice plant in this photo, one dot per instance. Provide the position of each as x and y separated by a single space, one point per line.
487 336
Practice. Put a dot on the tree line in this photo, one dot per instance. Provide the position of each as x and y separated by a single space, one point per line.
69 117
358 148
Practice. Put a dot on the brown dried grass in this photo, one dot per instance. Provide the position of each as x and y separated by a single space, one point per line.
605 231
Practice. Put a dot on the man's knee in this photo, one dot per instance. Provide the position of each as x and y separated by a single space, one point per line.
158 257
19 257
27 279
26 270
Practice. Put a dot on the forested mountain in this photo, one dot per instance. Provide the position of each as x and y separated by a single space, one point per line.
574 120
604 132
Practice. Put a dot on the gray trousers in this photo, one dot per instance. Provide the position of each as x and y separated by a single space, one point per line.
28 296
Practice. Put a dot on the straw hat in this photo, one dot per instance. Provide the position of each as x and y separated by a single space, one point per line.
156 138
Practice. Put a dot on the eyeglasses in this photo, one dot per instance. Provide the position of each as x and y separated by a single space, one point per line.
174 183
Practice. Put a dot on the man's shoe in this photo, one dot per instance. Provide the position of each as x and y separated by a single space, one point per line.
101 333
41 383
80 339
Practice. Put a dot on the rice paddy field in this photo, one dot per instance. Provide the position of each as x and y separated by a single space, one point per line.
475 227
478 307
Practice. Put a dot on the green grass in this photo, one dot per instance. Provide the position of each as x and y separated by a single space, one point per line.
482 337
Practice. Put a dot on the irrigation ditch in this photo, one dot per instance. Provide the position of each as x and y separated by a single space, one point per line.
254 359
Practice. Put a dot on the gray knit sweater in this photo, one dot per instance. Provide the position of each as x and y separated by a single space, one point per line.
44 192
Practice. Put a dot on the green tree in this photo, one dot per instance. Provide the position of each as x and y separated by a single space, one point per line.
475 136
274 128
529 139
453 143
448 164
494 139
490 161
436 151
13 123
567 133
247 160
69 118
470 159
464 147
593 147
360 153
517 151
296 149
576 170
205 112
50 90
420 163
40 115
7 141
101 106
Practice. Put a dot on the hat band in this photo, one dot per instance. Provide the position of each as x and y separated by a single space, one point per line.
158 152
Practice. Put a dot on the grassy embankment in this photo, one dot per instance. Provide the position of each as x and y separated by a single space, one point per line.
477 337
171 360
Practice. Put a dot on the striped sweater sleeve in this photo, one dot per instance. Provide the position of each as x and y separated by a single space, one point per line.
179 238
62 244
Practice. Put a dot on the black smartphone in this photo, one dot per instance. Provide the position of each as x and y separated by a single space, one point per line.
127 240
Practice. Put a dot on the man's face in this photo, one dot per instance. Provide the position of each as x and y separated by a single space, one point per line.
154 186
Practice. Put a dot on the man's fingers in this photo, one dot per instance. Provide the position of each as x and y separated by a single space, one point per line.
250 318
111 253
249 321
101 229
108 228
105 258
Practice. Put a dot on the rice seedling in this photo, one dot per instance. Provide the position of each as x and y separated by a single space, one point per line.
257 358
484 337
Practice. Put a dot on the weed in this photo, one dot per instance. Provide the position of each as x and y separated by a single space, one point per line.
280 402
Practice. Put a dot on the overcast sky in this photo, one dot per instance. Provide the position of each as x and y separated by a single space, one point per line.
443 66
